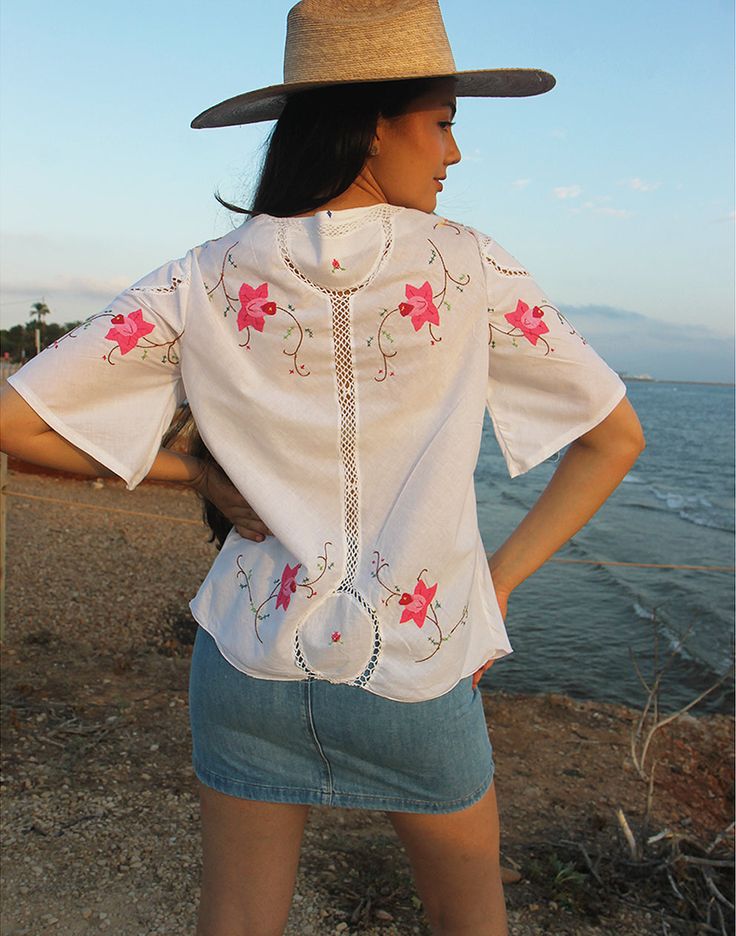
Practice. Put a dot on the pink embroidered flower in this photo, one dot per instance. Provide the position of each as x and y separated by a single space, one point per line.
416 605
336 637
420 306
528 320
254 305
288 585
127 329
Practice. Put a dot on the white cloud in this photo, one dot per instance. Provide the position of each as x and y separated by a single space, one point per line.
70 299
559 134
520 183
567 191
599 205
60 285
475 155
639 185
613 212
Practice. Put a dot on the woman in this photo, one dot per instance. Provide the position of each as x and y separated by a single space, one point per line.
337 352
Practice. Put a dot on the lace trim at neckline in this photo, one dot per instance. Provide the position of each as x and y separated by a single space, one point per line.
379 212
343 221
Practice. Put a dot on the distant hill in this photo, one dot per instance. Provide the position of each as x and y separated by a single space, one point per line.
633 343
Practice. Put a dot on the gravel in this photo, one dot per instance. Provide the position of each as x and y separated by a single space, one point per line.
100 817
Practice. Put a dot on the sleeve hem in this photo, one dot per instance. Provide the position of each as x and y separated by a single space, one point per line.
518 467
132 478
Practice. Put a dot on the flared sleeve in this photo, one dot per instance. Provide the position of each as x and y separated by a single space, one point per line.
546 385
112 385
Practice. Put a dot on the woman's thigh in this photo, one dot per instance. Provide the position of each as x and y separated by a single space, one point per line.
455 860
250 858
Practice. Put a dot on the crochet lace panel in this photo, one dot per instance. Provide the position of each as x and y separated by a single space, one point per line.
347 397
365 676
486 246
330 228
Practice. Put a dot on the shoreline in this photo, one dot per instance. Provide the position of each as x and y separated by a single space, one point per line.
100 819
661 380
170 502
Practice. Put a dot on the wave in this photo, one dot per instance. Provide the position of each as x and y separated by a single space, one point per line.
632 478
692 508
644 613
677 501
705 522
675 642
516 498
678 644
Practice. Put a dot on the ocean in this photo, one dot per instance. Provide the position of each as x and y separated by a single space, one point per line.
578 628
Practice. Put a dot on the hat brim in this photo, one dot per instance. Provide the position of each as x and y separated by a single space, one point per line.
267 103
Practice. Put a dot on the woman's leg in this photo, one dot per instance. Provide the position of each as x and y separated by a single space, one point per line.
455 860
250 856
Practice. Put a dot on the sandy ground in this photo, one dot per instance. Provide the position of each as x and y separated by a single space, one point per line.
100 819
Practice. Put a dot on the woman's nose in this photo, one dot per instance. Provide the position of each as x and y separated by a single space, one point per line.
454 156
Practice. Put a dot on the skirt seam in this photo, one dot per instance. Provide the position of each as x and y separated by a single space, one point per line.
326 766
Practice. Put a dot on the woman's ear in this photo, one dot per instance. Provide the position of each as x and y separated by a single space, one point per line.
375 148
378 136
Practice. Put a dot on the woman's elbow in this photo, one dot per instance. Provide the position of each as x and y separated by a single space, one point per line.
634 434
19 423
619 434
631 437
640 441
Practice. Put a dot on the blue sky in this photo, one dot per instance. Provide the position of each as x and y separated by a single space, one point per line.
616 189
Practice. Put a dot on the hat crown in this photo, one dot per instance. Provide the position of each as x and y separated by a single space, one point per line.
370 40
338 42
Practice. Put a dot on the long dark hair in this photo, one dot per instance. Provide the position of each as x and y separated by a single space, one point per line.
314 153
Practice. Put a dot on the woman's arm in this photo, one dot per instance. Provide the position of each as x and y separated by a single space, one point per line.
592 468
24 435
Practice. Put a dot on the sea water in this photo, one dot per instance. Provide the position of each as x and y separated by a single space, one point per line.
584 629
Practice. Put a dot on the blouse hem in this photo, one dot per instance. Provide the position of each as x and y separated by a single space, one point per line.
500 652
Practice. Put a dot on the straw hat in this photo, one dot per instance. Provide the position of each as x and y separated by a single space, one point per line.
335 42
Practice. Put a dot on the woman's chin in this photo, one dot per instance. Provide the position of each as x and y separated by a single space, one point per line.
427 205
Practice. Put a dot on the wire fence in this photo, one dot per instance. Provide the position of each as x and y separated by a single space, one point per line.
7 368
121 511
158 517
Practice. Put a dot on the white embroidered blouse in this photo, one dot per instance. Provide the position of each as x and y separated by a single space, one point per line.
338 368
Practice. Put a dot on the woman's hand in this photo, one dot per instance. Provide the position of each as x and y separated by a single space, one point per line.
213 484
503 603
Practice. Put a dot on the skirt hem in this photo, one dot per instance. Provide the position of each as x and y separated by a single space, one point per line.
315 797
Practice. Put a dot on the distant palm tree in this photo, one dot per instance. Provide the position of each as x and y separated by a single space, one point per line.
40 309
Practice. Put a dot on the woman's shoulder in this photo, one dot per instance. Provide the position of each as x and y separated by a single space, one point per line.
449 233
219 246
415 230
412 231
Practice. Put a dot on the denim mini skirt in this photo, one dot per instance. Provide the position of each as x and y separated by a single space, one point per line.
325 744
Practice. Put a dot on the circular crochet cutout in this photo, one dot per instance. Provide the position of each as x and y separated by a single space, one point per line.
335 643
